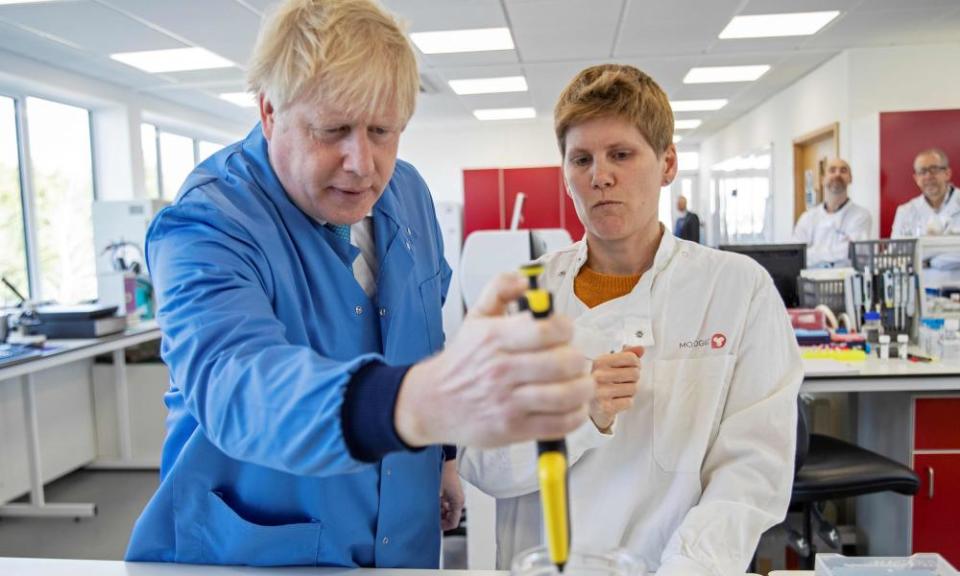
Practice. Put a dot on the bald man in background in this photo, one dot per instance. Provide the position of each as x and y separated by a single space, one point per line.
828 228
688 223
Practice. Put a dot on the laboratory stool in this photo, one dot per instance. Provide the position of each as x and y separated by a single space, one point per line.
828 468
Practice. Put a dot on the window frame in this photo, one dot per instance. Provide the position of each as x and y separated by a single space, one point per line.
25 173
195 138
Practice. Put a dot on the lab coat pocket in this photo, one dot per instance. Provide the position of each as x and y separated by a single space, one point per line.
687 402
432 311
230 539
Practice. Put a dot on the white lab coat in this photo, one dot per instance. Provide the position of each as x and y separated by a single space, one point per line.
828 236
917 218
702 464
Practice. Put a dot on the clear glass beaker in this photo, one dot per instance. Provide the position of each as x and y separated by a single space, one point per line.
618 562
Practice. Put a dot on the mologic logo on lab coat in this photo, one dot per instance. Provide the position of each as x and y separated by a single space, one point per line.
717 341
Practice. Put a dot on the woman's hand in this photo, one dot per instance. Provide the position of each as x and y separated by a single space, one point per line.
617 376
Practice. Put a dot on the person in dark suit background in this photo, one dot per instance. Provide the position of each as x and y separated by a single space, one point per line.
688 223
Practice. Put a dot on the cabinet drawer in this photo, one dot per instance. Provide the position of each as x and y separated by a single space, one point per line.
937 424
936 506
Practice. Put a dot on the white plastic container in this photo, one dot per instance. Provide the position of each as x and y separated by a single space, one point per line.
916 565
884 346
903 344
618 562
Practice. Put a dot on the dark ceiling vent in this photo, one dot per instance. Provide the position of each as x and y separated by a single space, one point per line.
429 85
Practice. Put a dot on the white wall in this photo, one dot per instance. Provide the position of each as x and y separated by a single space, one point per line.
818 99
441 152
852 89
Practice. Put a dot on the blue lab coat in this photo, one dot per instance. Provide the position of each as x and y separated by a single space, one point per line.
263 326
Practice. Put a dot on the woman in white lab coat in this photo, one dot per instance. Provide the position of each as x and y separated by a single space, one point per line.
688 456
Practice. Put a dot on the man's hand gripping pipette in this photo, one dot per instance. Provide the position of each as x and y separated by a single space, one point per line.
551 453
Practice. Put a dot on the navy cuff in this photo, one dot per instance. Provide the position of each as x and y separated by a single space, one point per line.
367 412
449 452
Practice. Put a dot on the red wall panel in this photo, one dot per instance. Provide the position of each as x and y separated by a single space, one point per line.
541 208
489 195
902 135
482 201
935 424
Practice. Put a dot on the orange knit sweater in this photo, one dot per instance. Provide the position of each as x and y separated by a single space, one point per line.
593 288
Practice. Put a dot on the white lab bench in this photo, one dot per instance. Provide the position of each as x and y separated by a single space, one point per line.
53 378
51 567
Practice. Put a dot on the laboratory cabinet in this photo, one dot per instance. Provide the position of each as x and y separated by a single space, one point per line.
489 195
936 460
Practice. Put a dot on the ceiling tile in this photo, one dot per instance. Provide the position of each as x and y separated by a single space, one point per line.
89 26
225 27
547 30
888 28
666 28
431 15
787 6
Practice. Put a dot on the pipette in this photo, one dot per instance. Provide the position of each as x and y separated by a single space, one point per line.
551 454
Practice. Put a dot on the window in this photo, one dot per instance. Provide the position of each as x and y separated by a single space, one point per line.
740 187
62 187
46 200
13 251
148 143
176 162
168 158
665 208
206 149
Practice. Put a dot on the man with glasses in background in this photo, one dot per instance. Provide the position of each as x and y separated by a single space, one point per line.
937 210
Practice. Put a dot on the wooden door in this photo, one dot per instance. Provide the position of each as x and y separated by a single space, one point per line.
810 155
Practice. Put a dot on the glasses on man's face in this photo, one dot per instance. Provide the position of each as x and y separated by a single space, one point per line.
930 170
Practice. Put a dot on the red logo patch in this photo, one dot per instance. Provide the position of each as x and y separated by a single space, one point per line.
717 341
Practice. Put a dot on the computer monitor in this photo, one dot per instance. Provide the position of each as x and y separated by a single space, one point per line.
784 263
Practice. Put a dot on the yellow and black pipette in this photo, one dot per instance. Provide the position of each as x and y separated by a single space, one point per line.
551 454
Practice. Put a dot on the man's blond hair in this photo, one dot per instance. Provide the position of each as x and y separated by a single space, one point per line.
616 90
348 53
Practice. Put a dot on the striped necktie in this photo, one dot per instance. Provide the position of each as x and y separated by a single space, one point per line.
340 230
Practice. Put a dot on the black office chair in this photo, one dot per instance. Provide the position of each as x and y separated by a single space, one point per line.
828 468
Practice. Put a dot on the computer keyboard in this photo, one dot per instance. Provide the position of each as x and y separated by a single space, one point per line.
14 354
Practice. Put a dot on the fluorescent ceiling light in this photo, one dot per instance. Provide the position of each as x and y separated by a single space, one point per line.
775 25
688 124
489 85
450 41
242 99
711 74
697 105
677 138
504 113
176 59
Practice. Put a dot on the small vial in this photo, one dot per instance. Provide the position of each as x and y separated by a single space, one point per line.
884 346
903 341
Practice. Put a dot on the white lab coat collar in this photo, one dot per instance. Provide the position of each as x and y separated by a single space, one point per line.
624 321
